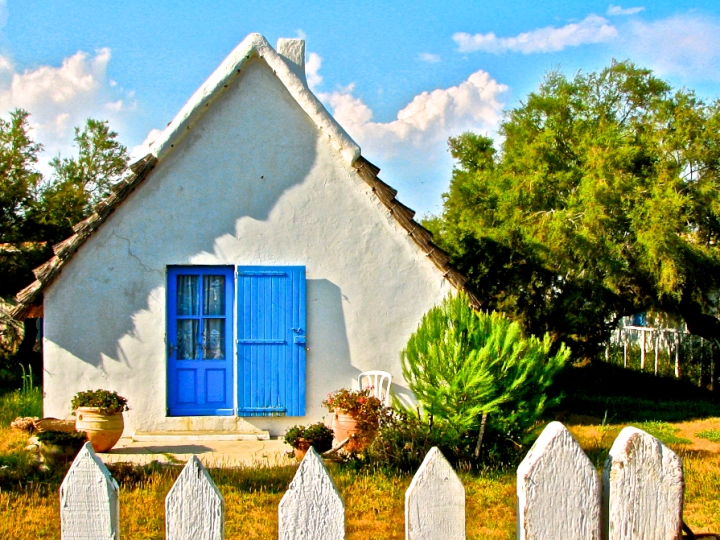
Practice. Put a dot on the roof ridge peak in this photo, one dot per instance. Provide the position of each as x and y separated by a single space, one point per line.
255 45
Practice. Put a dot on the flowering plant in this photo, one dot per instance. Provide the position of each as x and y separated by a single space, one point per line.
356 403
362 406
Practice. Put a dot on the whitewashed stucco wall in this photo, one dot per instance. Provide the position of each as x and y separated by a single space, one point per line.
252 183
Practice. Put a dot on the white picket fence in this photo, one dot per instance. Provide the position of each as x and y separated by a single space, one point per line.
560 496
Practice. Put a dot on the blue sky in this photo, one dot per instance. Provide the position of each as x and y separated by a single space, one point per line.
400 76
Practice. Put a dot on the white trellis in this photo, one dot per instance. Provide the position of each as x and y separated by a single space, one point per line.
558 491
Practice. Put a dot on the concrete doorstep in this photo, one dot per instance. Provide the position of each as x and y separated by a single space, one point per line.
212 452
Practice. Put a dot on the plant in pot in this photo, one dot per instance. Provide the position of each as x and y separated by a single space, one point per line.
301 438
356 414
60 447
99 414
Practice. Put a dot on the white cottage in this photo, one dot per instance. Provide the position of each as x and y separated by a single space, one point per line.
253 263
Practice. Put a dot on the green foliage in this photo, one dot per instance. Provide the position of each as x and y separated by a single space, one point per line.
25 401
79 183
712 435
108 402
461 365
317 435
604 202
63 438
18 177
662 431
36 213
403 440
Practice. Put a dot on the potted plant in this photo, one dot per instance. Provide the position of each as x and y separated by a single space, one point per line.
99 414
356 414
301 438
59 447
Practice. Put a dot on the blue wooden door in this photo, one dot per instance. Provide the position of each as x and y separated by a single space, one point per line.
271 341
199 337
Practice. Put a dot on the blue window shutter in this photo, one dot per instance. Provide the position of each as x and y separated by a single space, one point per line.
271 341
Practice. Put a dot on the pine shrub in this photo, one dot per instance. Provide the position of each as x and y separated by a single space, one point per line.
465 366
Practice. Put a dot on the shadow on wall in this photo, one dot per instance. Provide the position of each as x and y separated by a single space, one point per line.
328 355
329 366
111 297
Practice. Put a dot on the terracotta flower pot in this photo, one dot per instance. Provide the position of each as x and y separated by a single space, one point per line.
301 449
344 426
103 430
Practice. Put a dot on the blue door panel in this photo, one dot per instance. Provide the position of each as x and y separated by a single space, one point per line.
186 386
199 336
215 386
271 365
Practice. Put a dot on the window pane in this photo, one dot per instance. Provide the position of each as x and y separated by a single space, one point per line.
186 339
214 295
187 295
214 339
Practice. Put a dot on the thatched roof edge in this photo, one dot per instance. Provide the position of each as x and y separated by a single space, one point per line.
30 298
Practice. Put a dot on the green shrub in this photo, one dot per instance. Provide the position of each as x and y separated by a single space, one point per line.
465 366
63 438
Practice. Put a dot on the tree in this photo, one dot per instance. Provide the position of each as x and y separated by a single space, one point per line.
472 370
35 214
19 181
603 202
79 183
18 177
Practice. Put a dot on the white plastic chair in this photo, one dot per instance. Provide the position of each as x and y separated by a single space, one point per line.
380 382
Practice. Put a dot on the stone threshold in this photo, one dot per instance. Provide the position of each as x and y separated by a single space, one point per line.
187 435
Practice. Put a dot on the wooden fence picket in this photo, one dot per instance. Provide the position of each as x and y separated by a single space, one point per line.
312 508
435 501
558 490
642 488
89 506
559 495
194 508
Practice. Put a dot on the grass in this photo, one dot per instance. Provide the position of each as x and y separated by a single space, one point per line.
29 506
374 502
662 431
29 502
712 435
25 401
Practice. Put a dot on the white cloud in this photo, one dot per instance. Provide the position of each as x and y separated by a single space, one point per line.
592 29
618 10
61 98
426 122
429 58
412 148
312 70
143 149
683 45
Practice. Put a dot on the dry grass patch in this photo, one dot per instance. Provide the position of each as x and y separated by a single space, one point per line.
374 502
